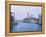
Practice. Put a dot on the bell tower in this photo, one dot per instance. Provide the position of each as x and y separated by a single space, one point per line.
27 14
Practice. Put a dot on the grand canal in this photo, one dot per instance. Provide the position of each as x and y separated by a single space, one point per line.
26 27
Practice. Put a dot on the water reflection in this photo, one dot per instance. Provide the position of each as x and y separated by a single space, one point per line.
25 27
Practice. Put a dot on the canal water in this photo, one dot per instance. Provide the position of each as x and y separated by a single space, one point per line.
26 27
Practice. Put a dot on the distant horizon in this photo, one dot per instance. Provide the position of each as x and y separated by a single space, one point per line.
21 11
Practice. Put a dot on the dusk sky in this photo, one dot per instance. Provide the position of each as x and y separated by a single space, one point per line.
21 11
